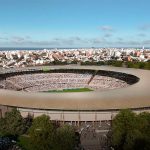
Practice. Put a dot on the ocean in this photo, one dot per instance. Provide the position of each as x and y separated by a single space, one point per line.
35 48
50 48
22 48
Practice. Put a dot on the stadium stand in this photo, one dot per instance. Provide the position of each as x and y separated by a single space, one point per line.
66 79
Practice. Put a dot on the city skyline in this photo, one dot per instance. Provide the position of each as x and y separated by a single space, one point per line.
80 23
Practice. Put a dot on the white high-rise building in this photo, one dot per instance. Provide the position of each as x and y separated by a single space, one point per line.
143 48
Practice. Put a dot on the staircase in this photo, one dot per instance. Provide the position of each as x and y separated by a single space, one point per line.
92 76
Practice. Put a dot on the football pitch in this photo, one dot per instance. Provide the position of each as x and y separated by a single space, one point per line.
69 90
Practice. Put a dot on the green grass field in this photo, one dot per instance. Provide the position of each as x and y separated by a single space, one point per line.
69 90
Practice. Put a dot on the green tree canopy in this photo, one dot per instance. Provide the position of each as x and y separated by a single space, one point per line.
123 124
12 124
65 138
41 133
131 131
143 142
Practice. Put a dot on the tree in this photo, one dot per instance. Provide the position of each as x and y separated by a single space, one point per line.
41 134
130 64
147 65
28 122
2 127
131 131
65 138
12 124
122 125
143 142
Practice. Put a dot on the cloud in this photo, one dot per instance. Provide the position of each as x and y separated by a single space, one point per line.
145 27
107 28
4 33
52 42
3 38
76 38
120 39
74 42
80 40
127 42
70 41
20 38
107 35
141 35
131 43
39 42
146 42
95 40
17 39
28 37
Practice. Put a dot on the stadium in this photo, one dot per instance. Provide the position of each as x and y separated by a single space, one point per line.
93 93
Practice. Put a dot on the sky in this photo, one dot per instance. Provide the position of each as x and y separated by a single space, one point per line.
74 23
